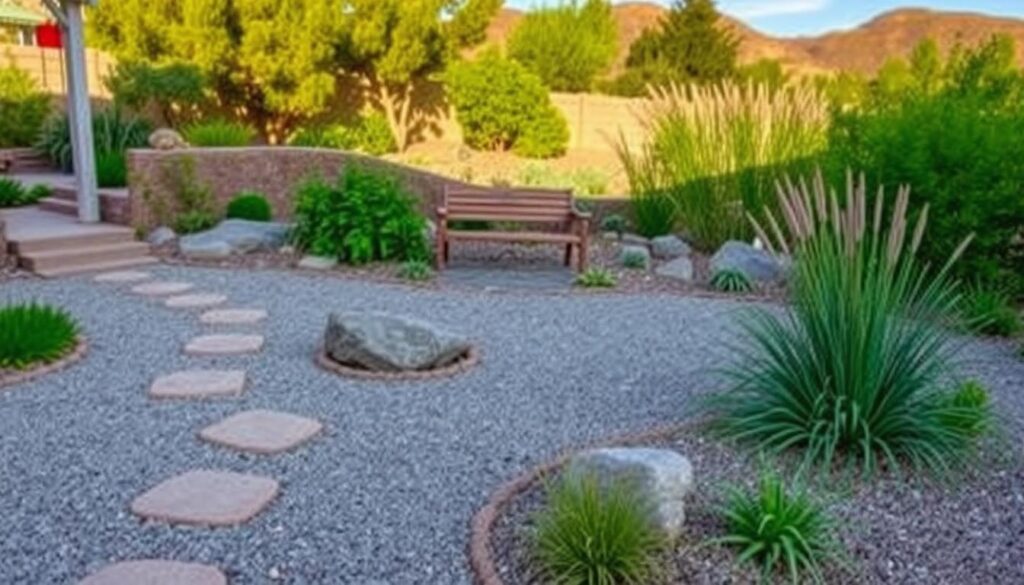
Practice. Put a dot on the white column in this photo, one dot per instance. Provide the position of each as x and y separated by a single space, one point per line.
80 113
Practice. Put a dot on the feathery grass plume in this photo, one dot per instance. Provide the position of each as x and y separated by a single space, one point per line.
852 370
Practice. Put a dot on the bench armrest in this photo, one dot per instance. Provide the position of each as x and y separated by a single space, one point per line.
442 212
577 214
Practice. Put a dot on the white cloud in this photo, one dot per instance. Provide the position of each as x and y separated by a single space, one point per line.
747 9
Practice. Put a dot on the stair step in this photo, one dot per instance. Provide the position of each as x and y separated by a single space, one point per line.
59 259
58 205
101 237
97 267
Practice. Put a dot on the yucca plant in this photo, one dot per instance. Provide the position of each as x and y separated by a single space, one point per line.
852 370
32 333
596 535
784 531
731 281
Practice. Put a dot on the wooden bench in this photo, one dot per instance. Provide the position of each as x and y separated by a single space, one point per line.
532 207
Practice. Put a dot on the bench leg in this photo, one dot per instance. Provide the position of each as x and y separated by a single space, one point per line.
568 254
440 253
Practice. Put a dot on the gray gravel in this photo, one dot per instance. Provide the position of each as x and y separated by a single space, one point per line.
385 496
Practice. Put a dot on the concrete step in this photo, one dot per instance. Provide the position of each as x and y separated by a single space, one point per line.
79 258
59 205
98 236
97 267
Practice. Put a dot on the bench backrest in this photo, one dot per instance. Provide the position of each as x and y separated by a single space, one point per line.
519 205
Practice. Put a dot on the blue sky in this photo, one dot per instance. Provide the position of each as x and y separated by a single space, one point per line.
796 17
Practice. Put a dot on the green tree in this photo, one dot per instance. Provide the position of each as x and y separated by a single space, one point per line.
396 45
174 89
895 79
926 67
567 45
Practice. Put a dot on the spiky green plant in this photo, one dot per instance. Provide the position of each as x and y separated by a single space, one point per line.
973 410
852 370
731 281
596 535
416 270
990 311
32 333
784 531
12 192
596 278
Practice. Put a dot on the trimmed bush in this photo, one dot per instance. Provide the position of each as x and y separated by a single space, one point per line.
591 535
249 205
596 278
111 169
218 133
23 108
362 217
32 334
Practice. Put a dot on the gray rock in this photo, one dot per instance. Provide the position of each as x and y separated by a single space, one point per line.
161 236
387 343
635 239
632 250
235 236
669 247
166 139
318 262
680 269
661 477
758 265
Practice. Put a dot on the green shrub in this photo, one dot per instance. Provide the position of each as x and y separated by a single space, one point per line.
249 205
113 131
325 136
218 133
990 311
370 133
583 181
111 169
23 108
634 260
970 410
12 193
39 191
781 531
731 281
362 217
596 278
614 222
416 270
33 334
374 136
852 369
183 203
596 535
499 103
175 89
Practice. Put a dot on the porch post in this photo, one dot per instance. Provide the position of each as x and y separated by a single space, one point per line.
80 112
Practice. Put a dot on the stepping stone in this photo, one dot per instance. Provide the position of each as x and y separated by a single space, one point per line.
199 384
224 344
233 316
261 431
153 289
122 276
156 572
207 498
194 301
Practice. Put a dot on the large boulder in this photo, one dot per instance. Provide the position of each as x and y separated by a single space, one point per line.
679 269
161 236
757 264
669 247
661 477
235 236
380 342
166 139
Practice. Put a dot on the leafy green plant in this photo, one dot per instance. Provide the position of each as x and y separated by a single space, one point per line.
634 260
852 370
416 270
370 133
596 278
111 169
218 133
182 201
250 205
615 223
39 191
731 281
596 535
113 131
12 193
583 181
23 108
970 410
990 311
33 333
782 530
362 217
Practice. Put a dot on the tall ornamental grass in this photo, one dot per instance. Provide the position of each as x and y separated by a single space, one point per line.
715 152
852 373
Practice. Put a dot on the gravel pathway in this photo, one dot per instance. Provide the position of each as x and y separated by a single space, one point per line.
385 495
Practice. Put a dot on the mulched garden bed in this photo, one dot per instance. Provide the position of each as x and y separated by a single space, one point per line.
966 531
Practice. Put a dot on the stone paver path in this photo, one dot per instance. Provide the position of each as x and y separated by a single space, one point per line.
207 498
233 316
262 431
199 384
224 344
156 572
195 301
155 289
122 276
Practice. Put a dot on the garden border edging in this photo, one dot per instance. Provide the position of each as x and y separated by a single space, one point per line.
19 377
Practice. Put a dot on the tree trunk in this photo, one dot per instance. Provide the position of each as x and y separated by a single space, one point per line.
397 108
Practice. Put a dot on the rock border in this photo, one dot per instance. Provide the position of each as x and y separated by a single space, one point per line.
481 527
465 363
10 378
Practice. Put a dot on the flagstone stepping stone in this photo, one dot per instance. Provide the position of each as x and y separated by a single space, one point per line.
207 498
233 316
154 289
262 431
156 572
199 384
194 301
224 344
122 276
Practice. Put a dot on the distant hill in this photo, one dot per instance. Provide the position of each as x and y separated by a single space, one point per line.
863 48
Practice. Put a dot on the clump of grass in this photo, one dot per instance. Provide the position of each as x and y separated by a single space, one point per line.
218 133
851 371
416 270
33 334
783 531
39 191
596 535
990 311
731 281
634 260
969 409
596 278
